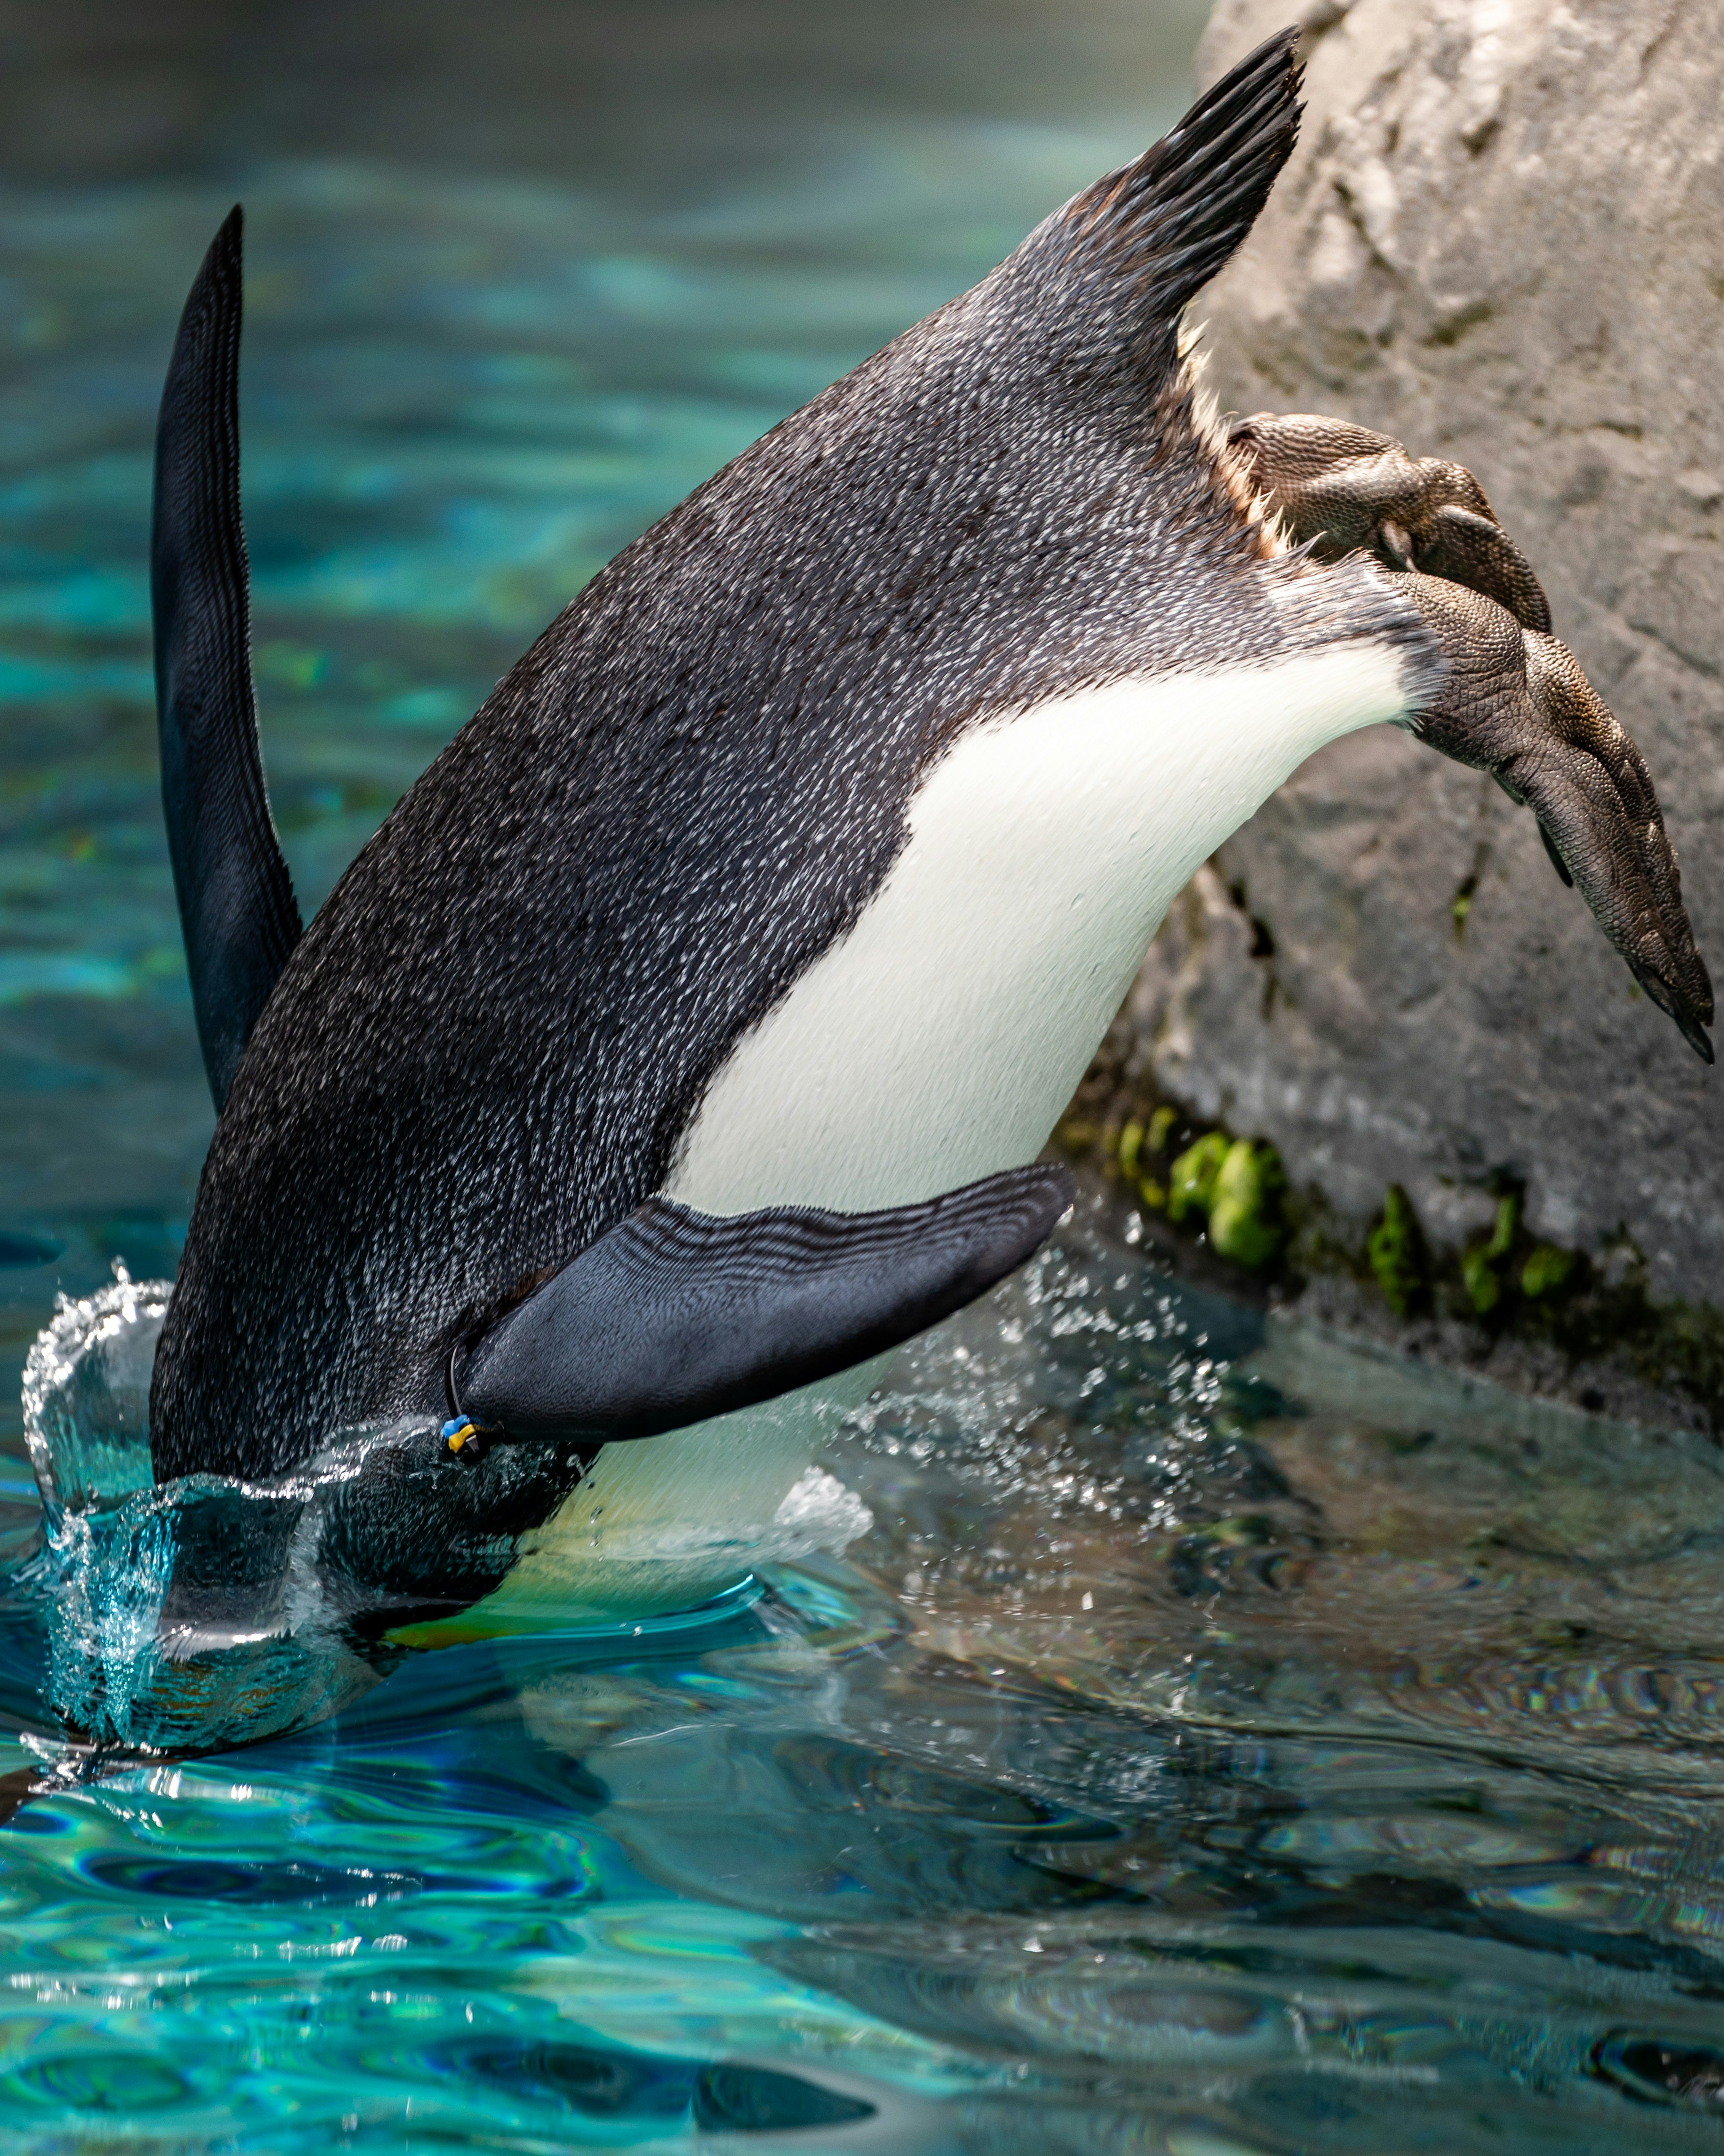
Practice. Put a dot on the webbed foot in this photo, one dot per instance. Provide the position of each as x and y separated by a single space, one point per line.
1513 701
1339 487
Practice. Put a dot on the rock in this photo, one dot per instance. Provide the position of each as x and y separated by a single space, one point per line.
1501 240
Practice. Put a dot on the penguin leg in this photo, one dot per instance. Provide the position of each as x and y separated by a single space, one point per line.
1513 701
237 908
673 1315
1338 487
1517 704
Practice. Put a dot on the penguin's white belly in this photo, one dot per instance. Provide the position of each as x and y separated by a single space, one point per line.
939 1040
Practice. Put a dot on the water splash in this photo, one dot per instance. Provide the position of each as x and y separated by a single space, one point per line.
86 1395
1250 1523
209 1611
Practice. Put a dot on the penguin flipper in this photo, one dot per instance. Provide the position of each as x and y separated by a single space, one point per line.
236 907
674 1315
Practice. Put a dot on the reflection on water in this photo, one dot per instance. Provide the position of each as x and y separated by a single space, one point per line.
1224 1740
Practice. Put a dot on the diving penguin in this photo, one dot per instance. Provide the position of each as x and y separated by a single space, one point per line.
685 1037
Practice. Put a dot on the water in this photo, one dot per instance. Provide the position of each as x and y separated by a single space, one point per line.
1162 1729
1222 1738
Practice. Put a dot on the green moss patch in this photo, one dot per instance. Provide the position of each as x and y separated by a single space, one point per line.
1191 1185
1199 1178
1592 1309
1396 1251
1548 1272
1246 1222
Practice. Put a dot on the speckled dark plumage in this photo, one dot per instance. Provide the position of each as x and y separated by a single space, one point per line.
486 1046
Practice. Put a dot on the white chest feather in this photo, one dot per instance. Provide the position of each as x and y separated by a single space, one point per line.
940 1040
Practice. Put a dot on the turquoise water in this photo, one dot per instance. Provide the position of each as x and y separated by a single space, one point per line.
1222 1739
1196 1736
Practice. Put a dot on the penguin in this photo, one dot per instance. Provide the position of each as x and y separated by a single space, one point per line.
686 1037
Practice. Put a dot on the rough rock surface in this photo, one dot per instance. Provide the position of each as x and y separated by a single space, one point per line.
1501 239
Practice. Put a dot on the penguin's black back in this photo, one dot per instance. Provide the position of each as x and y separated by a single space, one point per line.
489 1041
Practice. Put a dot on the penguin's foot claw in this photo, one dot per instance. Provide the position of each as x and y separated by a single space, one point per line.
1512 700
1339 488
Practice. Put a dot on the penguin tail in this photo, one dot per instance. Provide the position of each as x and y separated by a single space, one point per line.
1113 272
237 908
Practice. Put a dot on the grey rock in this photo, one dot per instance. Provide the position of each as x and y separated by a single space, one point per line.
1501 240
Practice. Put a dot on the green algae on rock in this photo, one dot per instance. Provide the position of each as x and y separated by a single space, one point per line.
1482 1265
1547 1272
1481 1279
1191 1187
1236 1185
1396 1253
1595 1311
1246 1223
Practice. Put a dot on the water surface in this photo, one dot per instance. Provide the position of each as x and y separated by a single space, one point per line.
1222 1739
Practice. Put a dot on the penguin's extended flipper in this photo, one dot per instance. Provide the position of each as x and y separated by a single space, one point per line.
237 908
1513 701
674 1315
